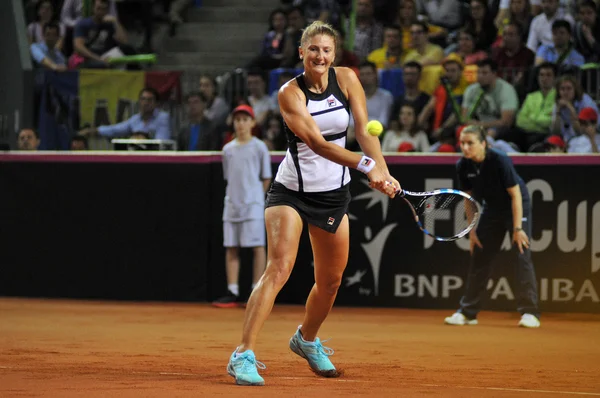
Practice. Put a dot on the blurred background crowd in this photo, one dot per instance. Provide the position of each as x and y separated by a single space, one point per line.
526 70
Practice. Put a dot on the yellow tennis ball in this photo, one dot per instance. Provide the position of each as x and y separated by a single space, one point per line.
375 128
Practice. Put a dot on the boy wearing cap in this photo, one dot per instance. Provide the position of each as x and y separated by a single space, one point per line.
589 140
247 171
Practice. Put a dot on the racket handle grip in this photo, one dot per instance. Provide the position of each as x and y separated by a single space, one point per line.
398 192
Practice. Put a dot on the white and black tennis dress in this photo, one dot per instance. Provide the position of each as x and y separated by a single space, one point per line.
316 187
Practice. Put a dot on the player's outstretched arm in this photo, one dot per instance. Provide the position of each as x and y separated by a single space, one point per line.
358 104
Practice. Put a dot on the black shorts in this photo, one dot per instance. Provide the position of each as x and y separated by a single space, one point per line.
321 209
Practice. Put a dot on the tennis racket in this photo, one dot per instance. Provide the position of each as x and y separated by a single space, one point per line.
430 207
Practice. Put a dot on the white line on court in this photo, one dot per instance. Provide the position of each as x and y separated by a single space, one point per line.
167 373
525 390
595 394
328 379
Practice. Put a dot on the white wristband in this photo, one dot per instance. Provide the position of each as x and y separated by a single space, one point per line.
366 164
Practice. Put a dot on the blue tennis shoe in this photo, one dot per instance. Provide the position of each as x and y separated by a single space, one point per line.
315 353
243 367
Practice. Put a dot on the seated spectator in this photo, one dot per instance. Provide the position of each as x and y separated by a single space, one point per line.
492 102
570 100
541 26
71 13
552 144
96 38
407 131
467 48
518 13
502 145
445 13
274 136
176 8
149 120
587 31
45 14
200 133
368 33
257 96
79 143
589 140
561 51
271 53
513 58
440 106
45 54
293 34
481 25
535 117
407 15
379 101
344 57
413 96
321 10
28 140
422 50
284 77
217 109
391 55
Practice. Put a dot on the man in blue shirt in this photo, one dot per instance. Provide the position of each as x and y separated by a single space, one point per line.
45 54
200 134
149 120
561 52
96 38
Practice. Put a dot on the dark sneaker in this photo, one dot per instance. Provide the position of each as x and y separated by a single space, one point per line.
228 301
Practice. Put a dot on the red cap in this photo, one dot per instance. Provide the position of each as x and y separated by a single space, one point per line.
244 108
588 115
557 140
447 148
406 147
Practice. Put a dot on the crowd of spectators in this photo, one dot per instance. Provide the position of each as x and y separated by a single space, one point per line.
511 66
70 34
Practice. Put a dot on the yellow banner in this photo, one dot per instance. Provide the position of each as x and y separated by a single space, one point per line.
108 96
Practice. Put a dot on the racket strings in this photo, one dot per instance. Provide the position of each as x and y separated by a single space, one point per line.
437 208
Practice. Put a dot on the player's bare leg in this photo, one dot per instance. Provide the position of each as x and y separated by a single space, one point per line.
260 262
330 253
284 227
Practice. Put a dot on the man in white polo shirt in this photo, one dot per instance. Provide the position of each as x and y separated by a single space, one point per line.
541 26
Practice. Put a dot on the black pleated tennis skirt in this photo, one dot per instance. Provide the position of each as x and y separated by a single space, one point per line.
321 209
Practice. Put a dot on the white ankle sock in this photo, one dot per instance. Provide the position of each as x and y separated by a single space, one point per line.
234 288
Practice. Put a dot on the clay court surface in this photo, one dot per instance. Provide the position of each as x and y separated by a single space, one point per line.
86 349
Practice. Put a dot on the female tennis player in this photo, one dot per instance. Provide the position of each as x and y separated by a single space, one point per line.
312 186
490 177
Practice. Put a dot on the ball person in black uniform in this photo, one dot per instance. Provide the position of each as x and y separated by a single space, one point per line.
312 186
489 175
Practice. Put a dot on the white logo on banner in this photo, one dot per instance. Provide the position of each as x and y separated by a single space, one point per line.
440 286
373 248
